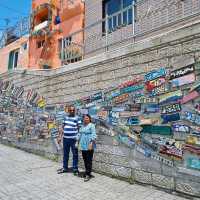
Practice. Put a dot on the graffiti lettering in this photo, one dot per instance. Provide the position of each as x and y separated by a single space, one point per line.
155 74
150 85
120 99
182 71
167 109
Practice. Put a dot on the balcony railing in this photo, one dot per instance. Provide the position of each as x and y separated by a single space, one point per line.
41 26
71 52
130 24
98 36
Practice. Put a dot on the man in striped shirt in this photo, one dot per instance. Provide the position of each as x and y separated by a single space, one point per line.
71 126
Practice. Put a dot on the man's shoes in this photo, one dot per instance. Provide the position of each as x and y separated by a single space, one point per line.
62 170
87 178
76 173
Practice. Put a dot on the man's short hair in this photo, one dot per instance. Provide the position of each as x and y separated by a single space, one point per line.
69 106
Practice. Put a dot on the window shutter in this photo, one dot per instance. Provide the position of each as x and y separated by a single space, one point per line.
10 61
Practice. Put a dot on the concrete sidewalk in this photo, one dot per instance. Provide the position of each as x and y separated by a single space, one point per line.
25 176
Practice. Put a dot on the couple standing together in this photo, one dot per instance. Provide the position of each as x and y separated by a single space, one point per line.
76 135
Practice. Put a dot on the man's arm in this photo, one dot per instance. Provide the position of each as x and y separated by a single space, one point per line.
60 134
61 130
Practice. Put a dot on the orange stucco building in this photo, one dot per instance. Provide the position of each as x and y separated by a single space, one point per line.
53 22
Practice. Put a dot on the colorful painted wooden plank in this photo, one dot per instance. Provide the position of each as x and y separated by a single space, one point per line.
90 104
92 111
146 100
112 94
129 83
193 163
181 128
120 99
171 108
107 107
125 114
196 87
191 148
118 109
77 103
195 128
171 151
103 114
97 96
196 134
131 89
187 79
155 74
150 85
133 121
136 107
193 140
83 111
86 100
5 85
151 108
150 121
158 90
189 97
192 117
113 118
160 130
41 103
170 96
138 94
170 118
182 72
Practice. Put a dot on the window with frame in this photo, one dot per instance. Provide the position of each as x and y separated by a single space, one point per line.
13 59
24 46
40 44
65 42
119 13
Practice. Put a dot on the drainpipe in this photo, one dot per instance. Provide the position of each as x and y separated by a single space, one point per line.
133 17
106 32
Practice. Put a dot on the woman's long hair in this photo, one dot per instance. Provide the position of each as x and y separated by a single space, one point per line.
86 115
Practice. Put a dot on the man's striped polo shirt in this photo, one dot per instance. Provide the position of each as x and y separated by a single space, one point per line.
71 125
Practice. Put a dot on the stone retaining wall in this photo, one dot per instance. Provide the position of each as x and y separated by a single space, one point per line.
172 51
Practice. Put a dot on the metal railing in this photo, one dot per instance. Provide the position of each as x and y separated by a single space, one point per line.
98 36
125 26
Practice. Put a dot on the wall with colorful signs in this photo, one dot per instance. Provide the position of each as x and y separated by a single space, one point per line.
146 107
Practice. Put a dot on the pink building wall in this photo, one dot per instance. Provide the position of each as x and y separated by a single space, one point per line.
22 56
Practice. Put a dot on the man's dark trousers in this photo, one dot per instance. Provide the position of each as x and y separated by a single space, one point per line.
69 143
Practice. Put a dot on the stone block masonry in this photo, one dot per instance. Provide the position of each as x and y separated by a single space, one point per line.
115 154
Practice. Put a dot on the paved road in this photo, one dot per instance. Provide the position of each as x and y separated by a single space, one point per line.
25 176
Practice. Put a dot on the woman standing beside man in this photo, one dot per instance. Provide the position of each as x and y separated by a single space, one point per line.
75 135
86 139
